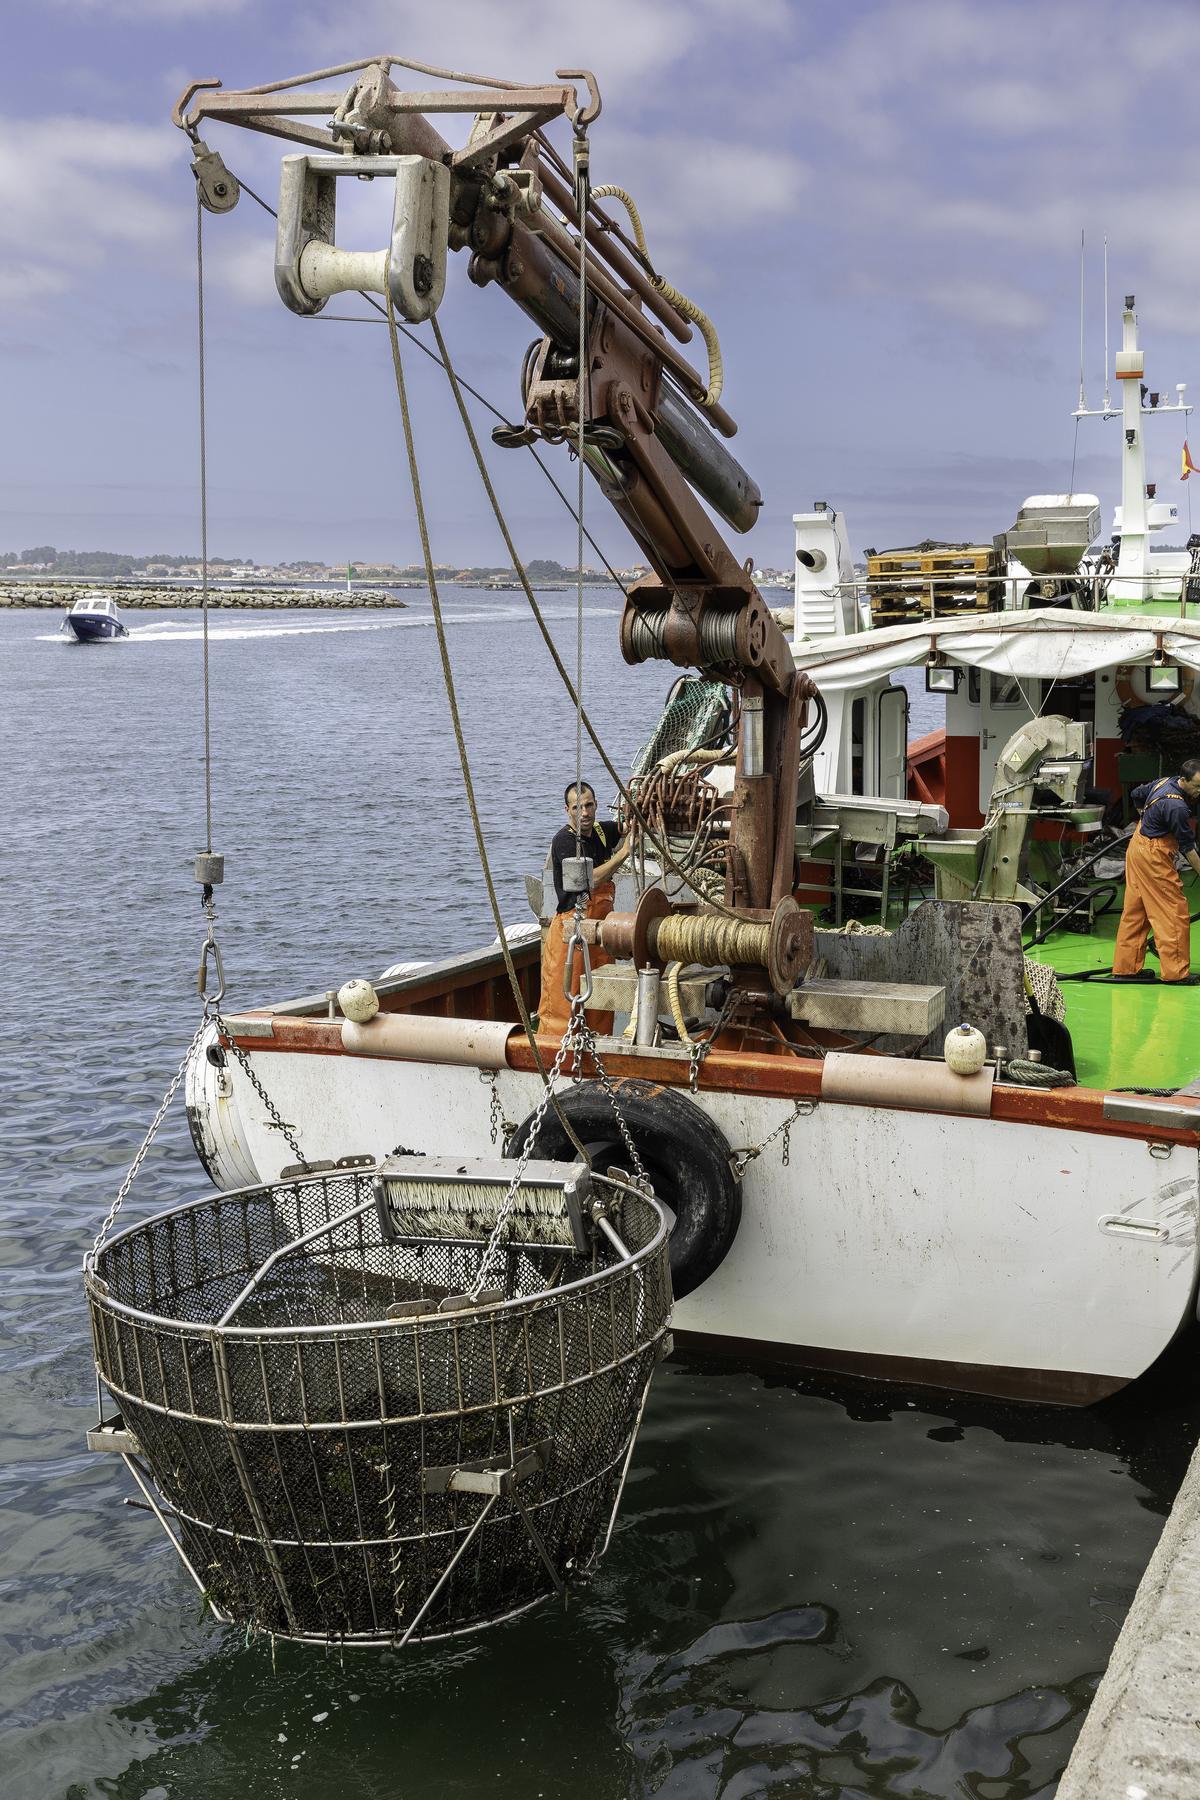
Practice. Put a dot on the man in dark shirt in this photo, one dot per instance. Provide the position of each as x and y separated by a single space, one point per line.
599 839
1154 896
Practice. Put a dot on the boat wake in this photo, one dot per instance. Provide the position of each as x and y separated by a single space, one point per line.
183 631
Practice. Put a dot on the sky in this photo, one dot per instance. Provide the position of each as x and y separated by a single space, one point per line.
880 205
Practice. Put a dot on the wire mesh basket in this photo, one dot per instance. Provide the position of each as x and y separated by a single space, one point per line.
343 1442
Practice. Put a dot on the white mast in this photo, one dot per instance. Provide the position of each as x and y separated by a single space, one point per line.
1133 562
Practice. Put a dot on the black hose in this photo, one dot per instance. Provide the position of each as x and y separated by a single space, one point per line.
812 741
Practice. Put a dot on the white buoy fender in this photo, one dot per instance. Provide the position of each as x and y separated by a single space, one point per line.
965 1050
358 1000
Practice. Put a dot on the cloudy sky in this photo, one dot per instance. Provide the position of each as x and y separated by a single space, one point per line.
880 204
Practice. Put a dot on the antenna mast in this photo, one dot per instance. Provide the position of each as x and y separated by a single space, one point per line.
1082 401
1107 401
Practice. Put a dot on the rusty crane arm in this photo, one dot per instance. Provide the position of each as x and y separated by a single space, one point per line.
652 435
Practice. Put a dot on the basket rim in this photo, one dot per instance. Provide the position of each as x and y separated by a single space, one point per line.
100 1298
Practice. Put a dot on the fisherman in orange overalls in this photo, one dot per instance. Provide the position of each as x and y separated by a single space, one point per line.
601 840
1154 897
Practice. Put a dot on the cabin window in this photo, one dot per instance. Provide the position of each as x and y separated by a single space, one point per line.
1005 690
858 745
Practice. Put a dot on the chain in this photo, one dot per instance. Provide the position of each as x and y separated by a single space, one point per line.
701 1048
579 1039
501 1128
276 1121
568 1037
741 1160
160 1115
589 1042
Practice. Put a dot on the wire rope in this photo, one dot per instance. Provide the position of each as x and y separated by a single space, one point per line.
456 722
458 387
208 840
581 207
347 319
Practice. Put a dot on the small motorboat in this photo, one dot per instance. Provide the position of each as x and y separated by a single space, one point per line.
93 617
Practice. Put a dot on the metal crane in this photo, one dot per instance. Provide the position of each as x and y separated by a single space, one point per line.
652 435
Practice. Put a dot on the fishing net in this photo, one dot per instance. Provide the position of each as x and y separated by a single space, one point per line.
337 1459
696 715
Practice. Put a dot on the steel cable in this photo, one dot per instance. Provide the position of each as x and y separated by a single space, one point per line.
456 721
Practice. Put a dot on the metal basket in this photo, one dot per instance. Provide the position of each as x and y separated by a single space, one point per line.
335 1455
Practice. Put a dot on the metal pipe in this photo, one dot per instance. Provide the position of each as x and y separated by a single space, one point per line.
648 1001
704 461
890 1081
606 245
557 238
422 1037
751 754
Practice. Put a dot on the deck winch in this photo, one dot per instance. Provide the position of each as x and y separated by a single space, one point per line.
362 1416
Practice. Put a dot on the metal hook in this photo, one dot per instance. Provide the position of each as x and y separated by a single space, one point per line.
576 943
177 117
583 115
213 949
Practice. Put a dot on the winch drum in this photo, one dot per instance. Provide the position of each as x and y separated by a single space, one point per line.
321 1465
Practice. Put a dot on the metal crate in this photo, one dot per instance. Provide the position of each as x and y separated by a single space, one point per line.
331 1473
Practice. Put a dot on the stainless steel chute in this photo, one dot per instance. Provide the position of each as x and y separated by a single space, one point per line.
347 1435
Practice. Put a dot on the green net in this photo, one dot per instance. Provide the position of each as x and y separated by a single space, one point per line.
696 713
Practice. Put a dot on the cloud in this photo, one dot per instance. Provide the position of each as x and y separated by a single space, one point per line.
629 46
78 193
151 12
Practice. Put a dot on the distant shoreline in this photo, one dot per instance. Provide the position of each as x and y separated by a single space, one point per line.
61 595
45 595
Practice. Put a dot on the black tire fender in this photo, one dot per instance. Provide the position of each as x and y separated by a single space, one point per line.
686 1157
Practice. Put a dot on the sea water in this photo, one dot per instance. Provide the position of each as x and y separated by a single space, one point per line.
817 1588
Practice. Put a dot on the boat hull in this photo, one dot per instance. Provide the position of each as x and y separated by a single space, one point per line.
1018 1258
87 630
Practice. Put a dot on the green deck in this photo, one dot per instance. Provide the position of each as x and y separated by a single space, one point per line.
1126 1035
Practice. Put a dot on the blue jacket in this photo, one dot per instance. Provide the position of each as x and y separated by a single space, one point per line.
1166 812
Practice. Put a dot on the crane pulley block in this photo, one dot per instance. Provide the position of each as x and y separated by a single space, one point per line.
309 267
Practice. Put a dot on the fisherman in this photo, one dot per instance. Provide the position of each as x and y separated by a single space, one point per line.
599 839
1154 897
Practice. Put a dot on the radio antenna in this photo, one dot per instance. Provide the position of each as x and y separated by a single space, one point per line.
1082 401
1107 401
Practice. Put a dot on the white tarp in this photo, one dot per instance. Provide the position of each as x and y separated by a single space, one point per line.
1053 646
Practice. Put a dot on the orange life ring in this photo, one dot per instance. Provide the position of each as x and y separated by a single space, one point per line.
1128 695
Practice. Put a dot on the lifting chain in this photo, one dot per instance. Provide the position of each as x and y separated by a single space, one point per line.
135 1165
500 1128
212 1012
275 1122
740 1161
580 1039
701 1047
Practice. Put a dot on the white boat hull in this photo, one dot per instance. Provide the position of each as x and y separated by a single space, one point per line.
974 1253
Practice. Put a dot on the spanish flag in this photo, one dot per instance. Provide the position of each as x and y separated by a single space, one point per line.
1189 467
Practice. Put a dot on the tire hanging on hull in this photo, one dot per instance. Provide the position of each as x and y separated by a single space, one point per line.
686 1157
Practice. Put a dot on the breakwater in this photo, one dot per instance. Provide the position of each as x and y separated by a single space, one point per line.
63 594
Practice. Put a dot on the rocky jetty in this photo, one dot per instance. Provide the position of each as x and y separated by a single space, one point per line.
63 594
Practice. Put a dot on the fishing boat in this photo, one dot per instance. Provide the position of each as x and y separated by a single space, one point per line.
93 619
835 994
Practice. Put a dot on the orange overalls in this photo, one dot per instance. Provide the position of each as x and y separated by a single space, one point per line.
554 1009
1154 901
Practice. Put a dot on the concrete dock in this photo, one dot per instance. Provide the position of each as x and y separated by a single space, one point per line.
1141 1739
